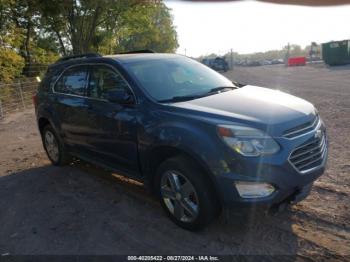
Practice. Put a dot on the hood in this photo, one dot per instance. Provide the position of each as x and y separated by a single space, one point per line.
252 104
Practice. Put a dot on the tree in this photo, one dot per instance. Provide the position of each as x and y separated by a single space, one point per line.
10 35
80 26
295 50
147 27
11 64
41 30
108 25
24 14
20 31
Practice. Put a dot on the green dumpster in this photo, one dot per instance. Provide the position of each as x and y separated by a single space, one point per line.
336 52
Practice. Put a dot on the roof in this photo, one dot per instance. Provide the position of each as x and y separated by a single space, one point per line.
125 58
121 58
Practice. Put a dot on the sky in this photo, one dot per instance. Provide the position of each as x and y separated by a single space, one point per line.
249 26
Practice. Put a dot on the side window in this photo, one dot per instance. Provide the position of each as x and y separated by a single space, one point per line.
102 80
73 81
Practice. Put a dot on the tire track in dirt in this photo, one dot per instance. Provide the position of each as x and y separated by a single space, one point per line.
313 238
332 188
337 202
333 244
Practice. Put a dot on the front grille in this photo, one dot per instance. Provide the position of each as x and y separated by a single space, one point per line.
309 155
302 129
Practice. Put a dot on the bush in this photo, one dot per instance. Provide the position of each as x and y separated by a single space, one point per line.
40 59
11 65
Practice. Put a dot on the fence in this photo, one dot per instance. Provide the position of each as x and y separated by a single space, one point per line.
17 96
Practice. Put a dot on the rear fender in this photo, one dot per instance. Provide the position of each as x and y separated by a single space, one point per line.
47 112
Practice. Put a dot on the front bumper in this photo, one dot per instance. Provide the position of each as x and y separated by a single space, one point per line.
291 186
292 192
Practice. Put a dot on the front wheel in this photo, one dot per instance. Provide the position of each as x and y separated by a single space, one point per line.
186 194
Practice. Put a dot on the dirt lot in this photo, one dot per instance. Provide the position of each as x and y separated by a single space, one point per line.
80 209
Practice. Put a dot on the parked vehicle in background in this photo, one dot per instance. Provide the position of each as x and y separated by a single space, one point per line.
336 52
198 141
277 61
254 63
266 62
218 63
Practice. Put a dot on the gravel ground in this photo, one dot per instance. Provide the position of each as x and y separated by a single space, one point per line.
81 209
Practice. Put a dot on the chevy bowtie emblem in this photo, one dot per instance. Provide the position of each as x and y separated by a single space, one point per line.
318 134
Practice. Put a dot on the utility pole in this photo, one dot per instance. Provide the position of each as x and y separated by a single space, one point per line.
185 52
231 59
287 55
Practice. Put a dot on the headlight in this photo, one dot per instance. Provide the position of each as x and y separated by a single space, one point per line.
254 189
247 141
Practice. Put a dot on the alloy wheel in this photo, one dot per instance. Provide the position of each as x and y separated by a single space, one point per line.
51 146
179 196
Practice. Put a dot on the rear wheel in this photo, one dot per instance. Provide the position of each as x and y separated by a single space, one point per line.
185 193
54 147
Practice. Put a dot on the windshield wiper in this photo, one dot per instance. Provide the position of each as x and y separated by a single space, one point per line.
192 97
221 88
179 99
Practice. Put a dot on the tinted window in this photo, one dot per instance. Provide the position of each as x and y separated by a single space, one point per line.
103 79
73 81
177 76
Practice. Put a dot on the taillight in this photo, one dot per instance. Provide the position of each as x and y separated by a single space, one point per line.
35 99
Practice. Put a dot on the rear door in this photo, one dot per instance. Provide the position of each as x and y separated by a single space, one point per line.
71 105
114 125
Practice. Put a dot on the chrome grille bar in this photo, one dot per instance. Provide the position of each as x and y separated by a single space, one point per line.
305 158
309 157
309 150
302 129
313 161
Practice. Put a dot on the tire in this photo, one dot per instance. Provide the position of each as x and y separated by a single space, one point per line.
189 210
54 147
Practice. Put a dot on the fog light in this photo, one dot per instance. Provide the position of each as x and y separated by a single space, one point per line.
254 189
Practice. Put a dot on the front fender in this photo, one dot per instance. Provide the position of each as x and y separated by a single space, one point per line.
196 139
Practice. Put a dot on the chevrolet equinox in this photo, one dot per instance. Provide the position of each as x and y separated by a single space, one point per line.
199 141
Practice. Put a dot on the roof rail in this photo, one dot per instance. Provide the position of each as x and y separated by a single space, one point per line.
138 51
87 55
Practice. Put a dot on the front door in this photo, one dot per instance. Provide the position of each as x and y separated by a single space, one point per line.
113 136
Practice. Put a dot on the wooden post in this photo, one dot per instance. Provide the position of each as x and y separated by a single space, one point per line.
1 111
21 94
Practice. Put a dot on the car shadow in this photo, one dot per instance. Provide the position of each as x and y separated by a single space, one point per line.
81 209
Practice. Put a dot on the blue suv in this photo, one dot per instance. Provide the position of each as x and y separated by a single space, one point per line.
199 141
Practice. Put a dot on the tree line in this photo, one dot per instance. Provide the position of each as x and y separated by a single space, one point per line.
37 32
294 50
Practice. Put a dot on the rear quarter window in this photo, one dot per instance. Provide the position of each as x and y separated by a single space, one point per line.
48 81
73 81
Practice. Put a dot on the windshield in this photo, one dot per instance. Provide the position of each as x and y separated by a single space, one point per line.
166 79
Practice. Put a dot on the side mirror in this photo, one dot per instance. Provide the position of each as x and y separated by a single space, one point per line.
120 96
